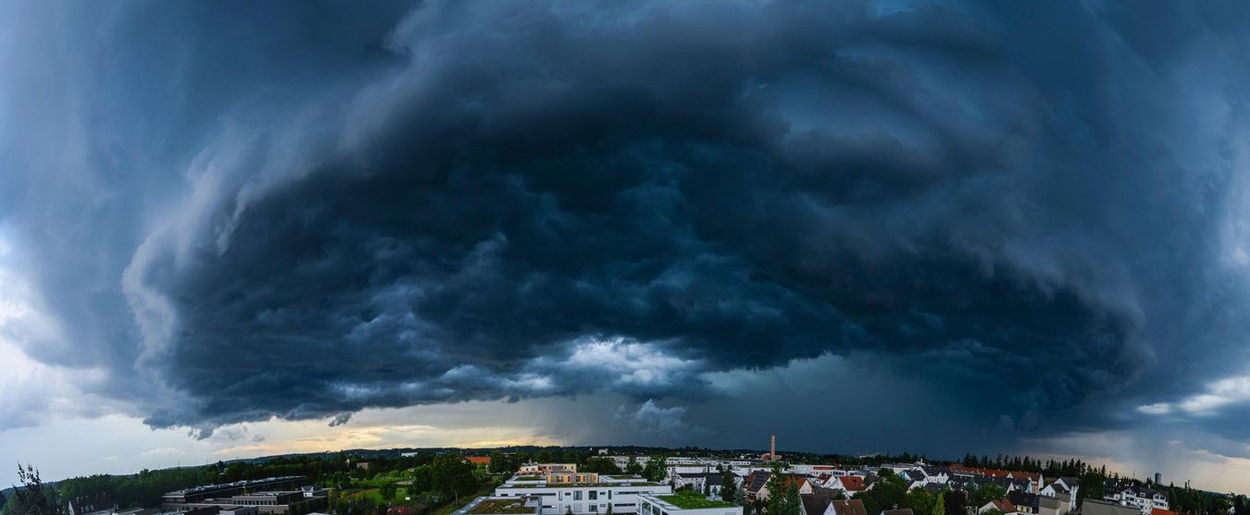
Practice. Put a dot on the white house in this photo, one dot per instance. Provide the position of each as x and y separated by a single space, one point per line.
848 485
697 481
1001 505
1143 499
1060 490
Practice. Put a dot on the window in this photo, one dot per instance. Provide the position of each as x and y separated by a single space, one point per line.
594 508
577 495
594 495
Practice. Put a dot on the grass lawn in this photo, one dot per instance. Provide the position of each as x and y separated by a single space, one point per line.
690 500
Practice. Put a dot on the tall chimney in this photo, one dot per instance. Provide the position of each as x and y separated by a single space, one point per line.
772 447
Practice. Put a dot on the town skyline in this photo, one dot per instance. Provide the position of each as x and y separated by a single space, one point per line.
805 456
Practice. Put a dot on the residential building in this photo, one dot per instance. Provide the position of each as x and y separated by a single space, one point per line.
1033 480
623 461
199 493
1144 499
492 505
800 483
698 481
571 477
816 503
849 485
479 460
849 507
1061 490
1103 507
901 511
1002 505
546 468
1053 506
753 483
280 502
1023 501
684 503
88 505
811 470
619 491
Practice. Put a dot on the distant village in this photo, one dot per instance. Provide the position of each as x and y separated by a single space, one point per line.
601 482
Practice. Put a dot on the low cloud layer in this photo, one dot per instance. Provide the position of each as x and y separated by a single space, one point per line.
462 201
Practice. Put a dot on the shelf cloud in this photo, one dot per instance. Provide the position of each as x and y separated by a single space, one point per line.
455 201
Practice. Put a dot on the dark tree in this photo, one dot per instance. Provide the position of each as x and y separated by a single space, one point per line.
601 465
728 485
33 497
633 467
656 469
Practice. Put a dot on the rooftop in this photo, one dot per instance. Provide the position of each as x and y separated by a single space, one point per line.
502 506
570 485
691 500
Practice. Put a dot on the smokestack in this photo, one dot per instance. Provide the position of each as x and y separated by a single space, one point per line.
772 447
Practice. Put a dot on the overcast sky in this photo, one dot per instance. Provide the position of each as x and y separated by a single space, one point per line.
238 228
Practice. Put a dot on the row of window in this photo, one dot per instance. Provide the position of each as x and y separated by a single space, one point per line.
592 495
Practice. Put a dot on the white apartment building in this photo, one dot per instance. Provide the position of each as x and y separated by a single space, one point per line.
619 491
650 504
812 470
1144 500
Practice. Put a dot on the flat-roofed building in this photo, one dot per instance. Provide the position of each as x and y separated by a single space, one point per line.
248 498
493 505
616 490
571 477
1100 507
199 493
685 502
547 468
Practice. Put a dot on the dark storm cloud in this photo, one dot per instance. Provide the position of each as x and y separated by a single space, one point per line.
514 199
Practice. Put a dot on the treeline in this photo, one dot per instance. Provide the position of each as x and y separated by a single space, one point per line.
441 477
1048 468
1188 500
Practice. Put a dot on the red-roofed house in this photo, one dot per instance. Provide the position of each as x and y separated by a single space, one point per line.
1034 478
802 484
849 484
1002 505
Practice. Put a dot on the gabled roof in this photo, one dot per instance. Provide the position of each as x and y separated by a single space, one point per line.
900 511
1020 498
815 504
1016 474
797 481
755 481
852 483
1003 505
1157 511
851 507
